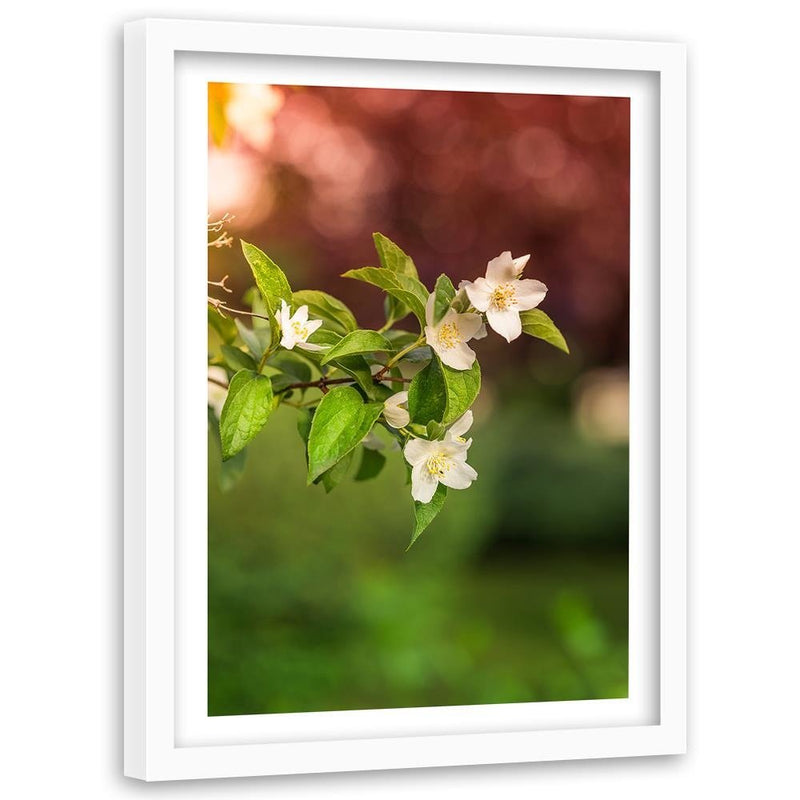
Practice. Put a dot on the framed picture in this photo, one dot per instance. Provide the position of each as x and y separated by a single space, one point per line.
404 399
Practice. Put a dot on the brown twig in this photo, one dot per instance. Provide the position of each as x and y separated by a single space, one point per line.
219 304
221 285
218 224
223 240
321 383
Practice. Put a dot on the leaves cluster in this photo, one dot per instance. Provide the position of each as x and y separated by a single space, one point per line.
339 390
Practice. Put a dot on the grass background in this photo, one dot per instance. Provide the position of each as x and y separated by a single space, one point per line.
517 592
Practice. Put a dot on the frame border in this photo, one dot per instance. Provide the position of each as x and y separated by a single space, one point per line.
150 752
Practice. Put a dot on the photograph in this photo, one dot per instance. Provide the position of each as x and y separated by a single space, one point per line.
418 391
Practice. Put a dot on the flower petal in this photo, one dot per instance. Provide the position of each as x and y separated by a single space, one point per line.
468 325
460 357
429 308
393 413
284 317
501 269
462 424
481 333
423 484
459 476
451 448
301 315
507 323
312 348
529 293
432 336
519 264
479 293
417 450
312 325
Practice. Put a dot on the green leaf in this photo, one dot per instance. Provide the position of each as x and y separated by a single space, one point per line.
224 327
359 370
405 288
257 306
324 338
537 323
394 310
427 394
462 389
435 430
256 339
270 279
425 513
327 308
400 339
372 462
280 382
304 417
443 295
380 392
355 366
356 343
237 359
341 421
246 409
460 302
292 364
441 394
338 473
419 355
393 258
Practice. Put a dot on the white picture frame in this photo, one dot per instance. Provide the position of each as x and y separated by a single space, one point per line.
166 736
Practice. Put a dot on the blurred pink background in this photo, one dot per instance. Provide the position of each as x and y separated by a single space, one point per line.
453 177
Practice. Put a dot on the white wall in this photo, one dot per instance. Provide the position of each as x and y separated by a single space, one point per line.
60 584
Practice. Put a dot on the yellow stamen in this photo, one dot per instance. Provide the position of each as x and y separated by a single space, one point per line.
300 331
449 336
504 296
438 464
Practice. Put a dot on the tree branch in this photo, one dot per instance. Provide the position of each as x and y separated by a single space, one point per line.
221 285
320 383
220 304
323 383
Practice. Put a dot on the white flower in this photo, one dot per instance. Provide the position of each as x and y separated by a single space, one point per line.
296 330
450 335
502 295
455 433
432 463
395 410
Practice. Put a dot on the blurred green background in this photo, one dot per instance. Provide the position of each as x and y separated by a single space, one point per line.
518 591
